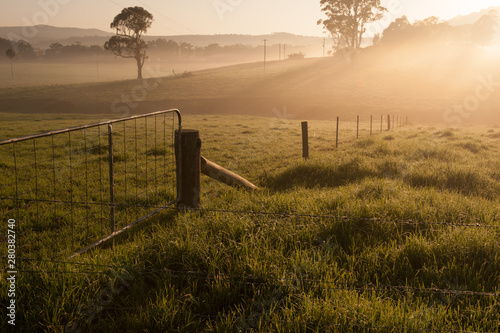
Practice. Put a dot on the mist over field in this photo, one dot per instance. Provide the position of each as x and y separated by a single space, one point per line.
455 85
252 183
429 71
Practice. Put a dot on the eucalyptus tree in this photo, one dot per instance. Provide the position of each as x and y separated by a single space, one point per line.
131 24
347 19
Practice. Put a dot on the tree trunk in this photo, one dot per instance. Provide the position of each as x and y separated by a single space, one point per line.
139 68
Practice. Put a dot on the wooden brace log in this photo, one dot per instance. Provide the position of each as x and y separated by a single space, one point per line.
225 176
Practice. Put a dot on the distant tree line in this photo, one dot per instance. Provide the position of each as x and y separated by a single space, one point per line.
434 32
161 47
22 49
57 51
173 49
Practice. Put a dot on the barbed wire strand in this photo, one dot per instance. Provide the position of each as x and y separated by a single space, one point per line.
264 280
274 214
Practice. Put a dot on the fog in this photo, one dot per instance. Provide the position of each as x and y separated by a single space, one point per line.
451 83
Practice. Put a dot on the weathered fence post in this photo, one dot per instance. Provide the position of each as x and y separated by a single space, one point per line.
188 157
225 176
381 123
111 179
305 140
337 136
388 122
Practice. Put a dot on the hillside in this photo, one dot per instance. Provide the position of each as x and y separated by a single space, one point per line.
429 86
43 35
474 17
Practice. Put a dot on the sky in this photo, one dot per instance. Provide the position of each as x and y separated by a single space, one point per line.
252 17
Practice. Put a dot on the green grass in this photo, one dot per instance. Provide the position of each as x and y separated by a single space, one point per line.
235 272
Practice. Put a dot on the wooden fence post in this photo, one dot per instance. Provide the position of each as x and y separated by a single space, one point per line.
305 140
223 175
188 168
388 122
357 129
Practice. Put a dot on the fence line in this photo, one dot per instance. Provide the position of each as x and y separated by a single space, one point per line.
270 281
286 215
354 125
295 283
343 218
69 187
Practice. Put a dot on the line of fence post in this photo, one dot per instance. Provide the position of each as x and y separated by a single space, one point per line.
305 140
111 180
395 122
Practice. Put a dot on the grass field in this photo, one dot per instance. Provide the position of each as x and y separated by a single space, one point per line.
91 70
329 246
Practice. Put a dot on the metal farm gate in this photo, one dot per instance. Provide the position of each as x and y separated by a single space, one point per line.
70 189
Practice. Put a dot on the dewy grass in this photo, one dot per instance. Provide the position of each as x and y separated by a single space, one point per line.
354 259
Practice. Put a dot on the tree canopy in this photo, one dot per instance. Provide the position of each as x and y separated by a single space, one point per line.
10 53
432 32
131 24
347 19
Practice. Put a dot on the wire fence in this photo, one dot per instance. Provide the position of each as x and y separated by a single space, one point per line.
297 282
284 285
349 128
291 283
71 187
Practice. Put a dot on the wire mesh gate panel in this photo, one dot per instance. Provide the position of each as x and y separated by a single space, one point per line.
69 188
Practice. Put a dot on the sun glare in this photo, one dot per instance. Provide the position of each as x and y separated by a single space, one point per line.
452 8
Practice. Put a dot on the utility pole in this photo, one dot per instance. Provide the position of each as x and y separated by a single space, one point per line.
265 52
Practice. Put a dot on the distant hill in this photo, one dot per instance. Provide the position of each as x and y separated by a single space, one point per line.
44 35
472 17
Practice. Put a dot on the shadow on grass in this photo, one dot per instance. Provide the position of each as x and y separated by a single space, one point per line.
466 182
319 174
